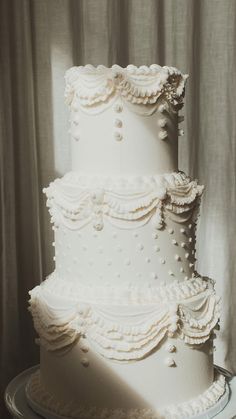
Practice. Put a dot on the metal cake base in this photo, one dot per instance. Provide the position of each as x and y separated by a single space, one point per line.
19 408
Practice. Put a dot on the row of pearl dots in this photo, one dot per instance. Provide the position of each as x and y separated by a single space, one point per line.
84 349
183 244
187 240
118 108
169 360
75 122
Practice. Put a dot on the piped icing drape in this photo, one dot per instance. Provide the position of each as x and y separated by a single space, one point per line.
40 40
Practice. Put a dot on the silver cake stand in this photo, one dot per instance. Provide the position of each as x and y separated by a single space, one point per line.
19 409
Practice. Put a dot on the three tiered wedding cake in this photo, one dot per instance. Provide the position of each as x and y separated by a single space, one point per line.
126 324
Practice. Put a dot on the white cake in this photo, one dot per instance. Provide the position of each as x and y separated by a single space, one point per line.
125 323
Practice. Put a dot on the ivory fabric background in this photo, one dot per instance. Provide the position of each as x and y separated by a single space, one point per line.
40 39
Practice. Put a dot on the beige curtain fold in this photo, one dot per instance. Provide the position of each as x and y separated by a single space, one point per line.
40 39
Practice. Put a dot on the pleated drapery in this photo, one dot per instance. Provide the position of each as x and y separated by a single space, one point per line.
40 39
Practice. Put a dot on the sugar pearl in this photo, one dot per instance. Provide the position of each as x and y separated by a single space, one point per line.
118 123
170 362
118 108
85 362
140 246
118 136
170 348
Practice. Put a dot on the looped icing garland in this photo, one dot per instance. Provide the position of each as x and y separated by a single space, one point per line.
91 86
129 329
126 202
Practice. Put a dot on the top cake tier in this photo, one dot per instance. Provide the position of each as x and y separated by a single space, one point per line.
125 120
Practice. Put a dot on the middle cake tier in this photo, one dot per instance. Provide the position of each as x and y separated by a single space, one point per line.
124 231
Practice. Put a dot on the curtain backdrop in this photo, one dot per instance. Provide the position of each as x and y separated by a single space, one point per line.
40 39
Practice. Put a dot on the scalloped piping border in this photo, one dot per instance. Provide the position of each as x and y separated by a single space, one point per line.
39 398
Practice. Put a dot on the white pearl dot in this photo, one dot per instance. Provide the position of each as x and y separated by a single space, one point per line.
157 248
154 235
170 273
170 348
84 347
147 260
170 231
140 246
183 244
118 123
118 108
162 122
182 230
177 257
173 241
190 226
85 362
162 261
181 269
170 362
186 255
190 239
118 136
154 275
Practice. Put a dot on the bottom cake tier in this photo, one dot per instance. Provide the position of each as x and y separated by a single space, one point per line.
128 353
102 389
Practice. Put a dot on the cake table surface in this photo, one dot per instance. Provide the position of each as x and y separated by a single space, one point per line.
19 409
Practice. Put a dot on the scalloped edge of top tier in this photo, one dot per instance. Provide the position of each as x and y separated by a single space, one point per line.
130 69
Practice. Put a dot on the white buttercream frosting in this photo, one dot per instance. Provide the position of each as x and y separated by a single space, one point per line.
138 85
124 324
126 202
36 392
